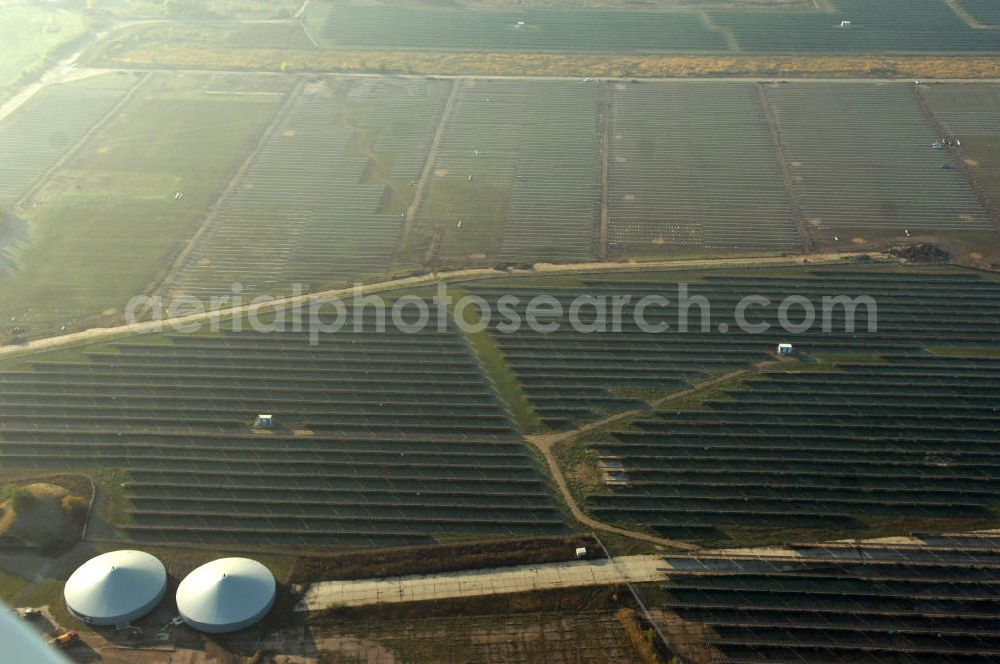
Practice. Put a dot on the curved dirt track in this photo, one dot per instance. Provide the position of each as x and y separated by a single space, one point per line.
545 443
96 334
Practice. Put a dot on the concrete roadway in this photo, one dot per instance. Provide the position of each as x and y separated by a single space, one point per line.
475 583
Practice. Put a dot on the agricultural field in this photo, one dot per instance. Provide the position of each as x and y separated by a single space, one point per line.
862 165
379 438
694 165
31 35
325 198
929 599
971 114
515 179
106 224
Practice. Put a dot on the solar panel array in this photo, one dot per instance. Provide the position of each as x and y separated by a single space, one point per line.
986 12
518 167
379 438
885 26
912 439
909 26
50 124
580 29
935 601
861 160
965 109
301 212
577 375
694 164
970 113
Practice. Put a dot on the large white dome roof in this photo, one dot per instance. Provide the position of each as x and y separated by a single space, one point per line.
116 587
226 595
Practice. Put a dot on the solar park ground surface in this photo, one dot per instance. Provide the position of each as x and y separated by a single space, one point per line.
403 438
330 180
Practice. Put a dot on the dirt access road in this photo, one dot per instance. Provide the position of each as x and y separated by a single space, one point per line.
98 334
546 444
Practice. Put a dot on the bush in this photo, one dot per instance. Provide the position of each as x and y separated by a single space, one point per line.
75 506
642 640
18 497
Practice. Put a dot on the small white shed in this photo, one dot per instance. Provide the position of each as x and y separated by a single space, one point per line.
845 24
786 349
581 553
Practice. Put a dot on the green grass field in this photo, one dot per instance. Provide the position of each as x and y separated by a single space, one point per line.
29 34
107 223
10 585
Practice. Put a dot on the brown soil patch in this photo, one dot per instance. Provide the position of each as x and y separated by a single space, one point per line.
690 639
858 240
109 311
797 164
620 160
971 162
104 149
816 221
440 172
659 240
965 217
586 477
288 132
630 197
618 137
976 256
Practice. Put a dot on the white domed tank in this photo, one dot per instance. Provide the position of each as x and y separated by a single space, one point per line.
116 588
226 595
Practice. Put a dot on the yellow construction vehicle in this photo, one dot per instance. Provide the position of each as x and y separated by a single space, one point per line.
65 640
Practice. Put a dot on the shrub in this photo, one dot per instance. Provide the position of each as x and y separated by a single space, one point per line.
642 640
75 506
17 496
